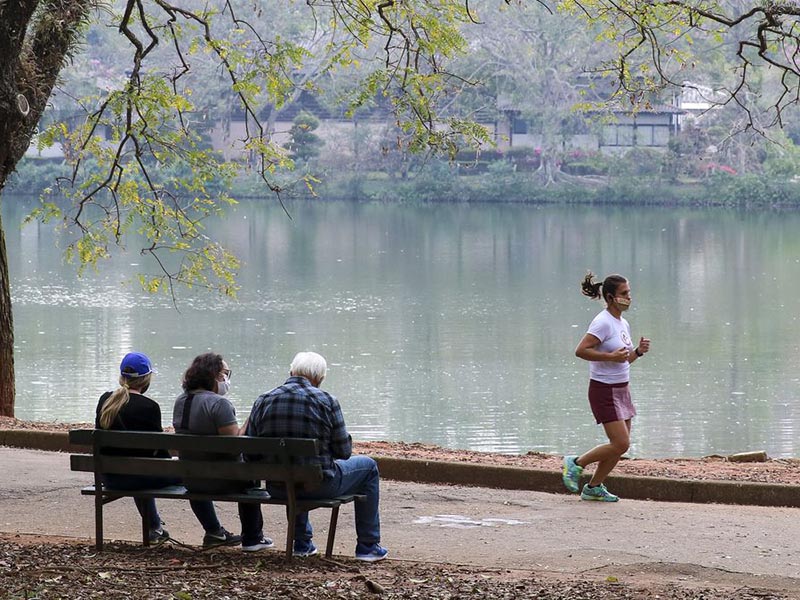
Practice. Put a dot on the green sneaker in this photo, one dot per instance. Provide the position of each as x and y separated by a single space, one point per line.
598 494
571 474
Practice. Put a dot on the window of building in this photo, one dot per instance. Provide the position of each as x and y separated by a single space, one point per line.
610 135
624 135
644 135
661 135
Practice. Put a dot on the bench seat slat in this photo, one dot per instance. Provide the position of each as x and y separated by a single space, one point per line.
261 496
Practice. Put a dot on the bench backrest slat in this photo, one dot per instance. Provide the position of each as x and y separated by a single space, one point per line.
279 456
221 444
187 469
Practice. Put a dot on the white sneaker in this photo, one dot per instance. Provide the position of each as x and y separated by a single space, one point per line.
263 544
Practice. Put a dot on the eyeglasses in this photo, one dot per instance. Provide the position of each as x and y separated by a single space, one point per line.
228 373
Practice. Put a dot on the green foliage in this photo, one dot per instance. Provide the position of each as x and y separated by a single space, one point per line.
532 65
153 180
640 161
139 163
781 158
521 154
580 162
751 191
738 52
304 144
437 182
35 176
471 155
502 183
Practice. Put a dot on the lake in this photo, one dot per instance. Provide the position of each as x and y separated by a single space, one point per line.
449 324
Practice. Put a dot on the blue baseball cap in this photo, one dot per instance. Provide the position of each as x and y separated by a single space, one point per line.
135 364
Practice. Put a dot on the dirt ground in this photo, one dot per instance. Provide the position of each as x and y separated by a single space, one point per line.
49 569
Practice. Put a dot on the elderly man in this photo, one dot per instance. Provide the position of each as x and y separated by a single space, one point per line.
300 409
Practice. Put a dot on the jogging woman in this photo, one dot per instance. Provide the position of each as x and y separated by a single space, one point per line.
608 347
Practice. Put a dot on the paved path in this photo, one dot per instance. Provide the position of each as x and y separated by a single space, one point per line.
464 525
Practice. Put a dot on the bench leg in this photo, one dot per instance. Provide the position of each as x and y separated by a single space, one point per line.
291 513
332 531
98 522
146 525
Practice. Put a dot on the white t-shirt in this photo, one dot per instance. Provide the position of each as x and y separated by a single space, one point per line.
613 334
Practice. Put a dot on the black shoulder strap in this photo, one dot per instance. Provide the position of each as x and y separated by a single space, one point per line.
187 410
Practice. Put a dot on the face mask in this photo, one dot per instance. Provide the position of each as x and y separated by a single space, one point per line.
624 303
223 387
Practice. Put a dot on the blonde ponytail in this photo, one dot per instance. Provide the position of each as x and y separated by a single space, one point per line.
119 398
113 405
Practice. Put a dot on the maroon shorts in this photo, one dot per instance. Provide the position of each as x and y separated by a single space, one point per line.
610 401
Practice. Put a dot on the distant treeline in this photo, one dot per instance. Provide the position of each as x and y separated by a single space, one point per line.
500 181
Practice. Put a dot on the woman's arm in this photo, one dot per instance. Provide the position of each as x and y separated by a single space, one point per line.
232 429
640 350
587 350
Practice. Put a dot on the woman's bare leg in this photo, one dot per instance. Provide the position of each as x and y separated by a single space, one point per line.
607 455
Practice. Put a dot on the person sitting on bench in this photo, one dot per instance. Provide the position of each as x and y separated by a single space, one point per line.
128 409
299 409
202 409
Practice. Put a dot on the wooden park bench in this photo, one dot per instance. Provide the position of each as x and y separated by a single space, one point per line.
278 466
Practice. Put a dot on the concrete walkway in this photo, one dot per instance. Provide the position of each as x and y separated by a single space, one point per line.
749 546
511 478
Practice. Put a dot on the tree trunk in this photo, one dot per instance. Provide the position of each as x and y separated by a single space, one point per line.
32 53
6 334
546 171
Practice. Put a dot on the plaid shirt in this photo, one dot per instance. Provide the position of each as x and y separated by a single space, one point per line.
298 409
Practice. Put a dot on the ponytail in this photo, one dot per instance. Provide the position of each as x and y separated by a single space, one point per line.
119 398
597 290
590 288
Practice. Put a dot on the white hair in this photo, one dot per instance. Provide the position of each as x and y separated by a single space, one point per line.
310 365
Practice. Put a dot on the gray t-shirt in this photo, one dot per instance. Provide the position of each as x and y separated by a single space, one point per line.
209 412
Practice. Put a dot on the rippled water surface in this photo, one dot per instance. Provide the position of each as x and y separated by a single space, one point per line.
447 324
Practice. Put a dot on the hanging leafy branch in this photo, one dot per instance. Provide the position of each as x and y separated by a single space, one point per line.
657 46
125 154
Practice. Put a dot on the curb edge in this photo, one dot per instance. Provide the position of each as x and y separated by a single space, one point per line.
511 478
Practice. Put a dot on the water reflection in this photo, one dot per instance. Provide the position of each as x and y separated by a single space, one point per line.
447 324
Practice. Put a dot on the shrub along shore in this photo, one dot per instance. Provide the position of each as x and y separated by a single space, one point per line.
497 181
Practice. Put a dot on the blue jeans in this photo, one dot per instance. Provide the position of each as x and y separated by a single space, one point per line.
356 475
141 482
